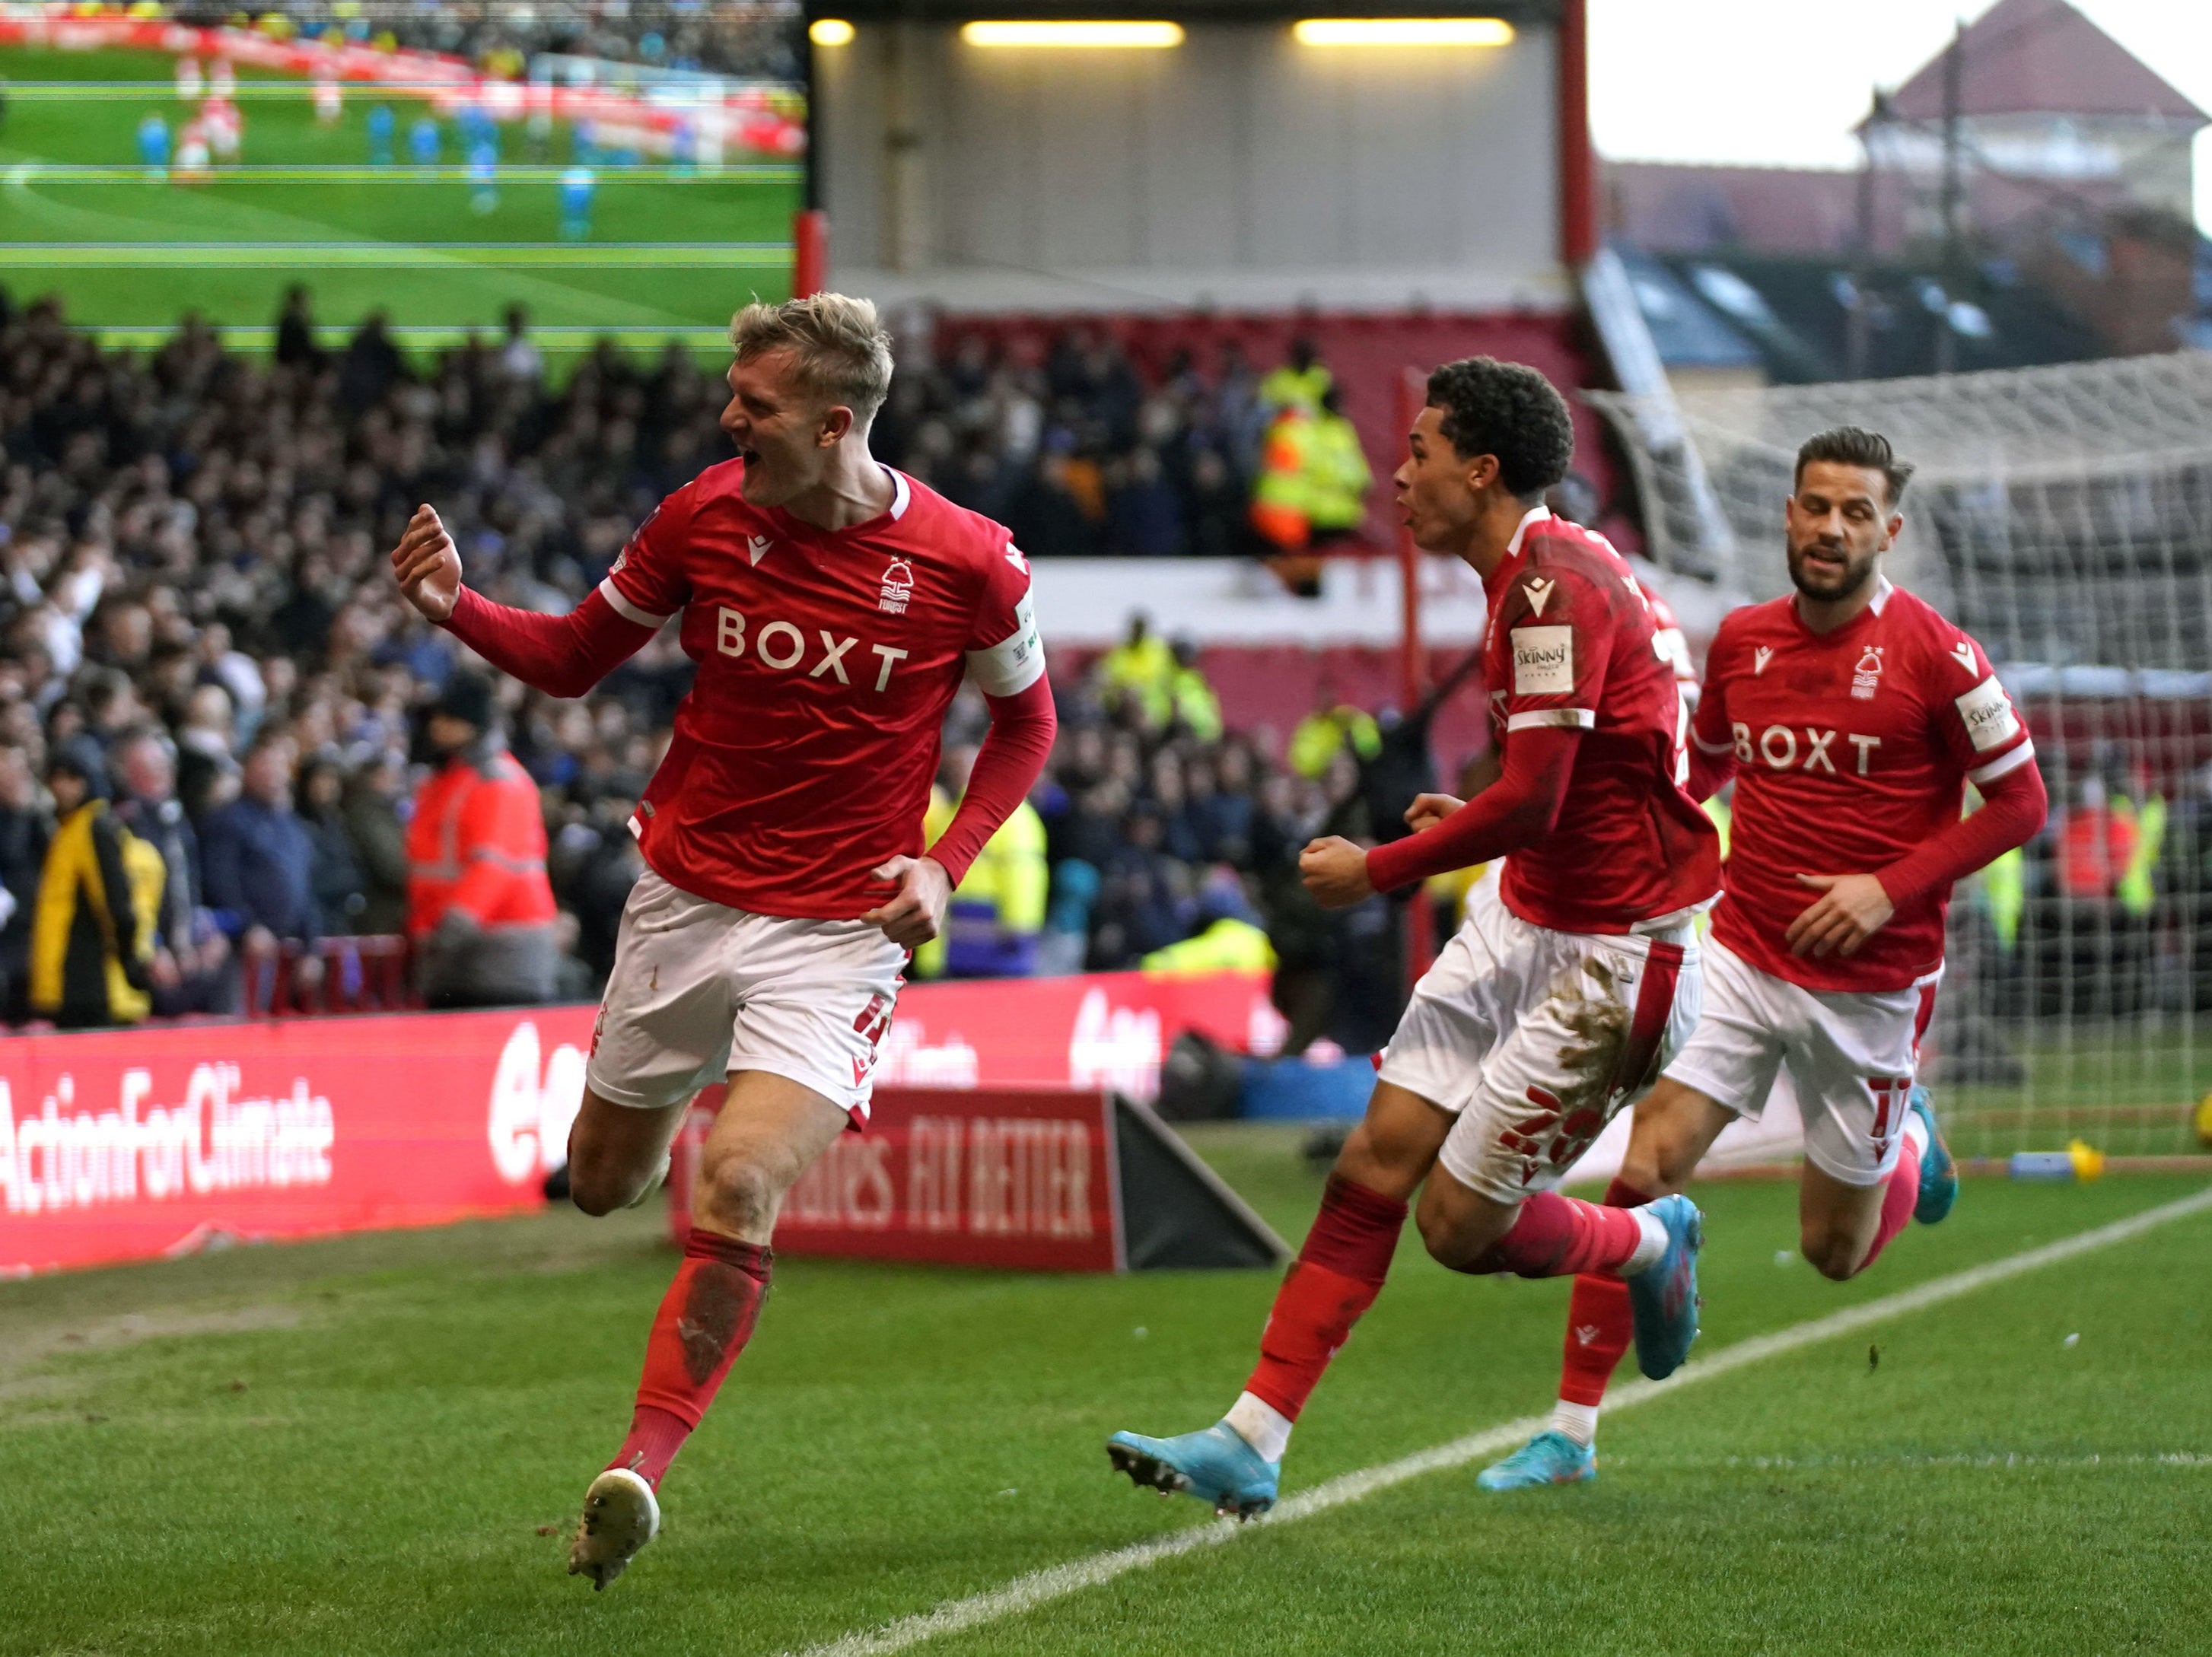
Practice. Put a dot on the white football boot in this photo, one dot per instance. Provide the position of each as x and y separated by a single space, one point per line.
621 1515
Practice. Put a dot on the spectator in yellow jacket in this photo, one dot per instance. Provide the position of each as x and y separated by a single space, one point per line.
1338 477
1197 709
1333 726
92 938
1299 382
1231 936
998 910
1141 668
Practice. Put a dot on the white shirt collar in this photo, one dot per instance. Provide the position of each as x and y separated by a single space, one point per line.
1881 591
1537 514
901 493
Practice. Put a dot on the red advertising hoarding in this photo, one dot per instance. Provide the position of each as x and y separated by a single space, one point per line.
127 1145
130 1144
1020 1177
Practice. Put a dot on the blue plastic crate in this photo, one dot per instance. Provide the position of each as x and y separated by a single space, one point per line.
1294 1090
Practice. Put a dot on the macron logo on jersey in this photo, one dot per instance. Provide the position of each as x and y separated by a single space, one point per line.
757 546
1759 659
1963 654
1540 594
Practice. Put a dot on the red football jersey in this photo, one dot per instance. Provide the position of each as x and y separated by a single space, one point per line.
803 757
1671 642
1850 748
1571 643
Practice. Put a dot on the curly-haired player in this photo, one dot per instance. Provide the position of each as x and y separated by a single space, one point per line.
1563 994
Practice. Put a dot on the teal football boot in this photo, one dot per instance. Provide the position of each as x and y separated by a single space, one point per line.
1216 1465
1664 1298
1550 1457
1939 1175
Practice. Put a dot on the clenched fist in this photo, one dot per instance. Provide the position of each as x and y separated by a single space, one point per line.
1427 810
915 913
428 566
1334 870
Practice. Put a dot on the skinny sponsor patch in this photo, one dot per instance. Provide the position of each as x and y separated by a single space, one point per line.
1989 716
1543 661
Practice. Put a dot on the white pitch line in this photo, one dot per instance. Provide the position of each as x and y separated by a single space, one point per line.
1058 1581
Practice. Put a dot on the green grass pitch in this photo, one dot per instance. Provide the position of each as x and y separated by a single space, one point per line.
670 252
377 1445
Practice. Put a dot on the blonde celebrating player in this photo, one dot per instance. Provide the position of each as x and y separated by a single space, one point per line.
1852 716
833 607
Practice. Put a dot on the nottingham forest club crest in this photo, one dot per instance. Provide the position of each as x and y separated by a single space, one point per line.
1866 678
898 588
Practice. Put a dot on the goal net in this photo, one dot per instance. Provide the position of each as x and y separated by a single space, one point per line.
2063 516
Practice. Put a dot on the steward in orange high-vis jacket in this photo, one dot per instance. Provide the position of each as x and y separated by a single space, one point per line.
479 908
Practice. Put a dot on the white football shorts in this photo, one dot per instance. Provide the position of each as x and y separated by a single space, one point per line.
1851 1056
700 991
1535 1038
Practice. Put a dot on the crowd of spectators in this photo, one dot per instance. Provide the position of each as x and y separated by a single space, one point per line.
750 40
196 623
1077 453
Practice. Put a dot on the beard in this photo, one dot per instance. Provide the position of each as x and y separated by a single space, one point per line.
1825 585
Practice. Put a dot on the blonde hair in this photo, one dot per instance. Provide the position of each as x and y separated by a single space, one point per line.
842 352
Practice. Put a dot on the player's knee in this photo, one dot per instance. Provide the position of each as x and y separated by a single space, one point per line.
1437 1232
597 1190
1457 1231
1833 1254
740 1194
1654 1171
1449 1247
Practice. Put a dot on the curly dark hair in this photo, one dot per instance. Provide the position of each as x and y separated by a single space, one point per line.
1854 446
1508 410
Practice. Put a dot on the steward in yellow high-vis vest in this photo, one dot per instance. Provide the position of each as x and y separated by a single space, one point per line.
997 913
1338 477
100 891
1140 669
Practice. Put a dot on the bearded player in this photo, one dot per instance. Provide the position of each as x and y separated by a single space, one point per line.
1852 716
833 607
1558 998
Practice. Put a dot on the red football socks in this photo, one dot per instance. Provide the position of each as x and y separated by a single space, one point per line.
704 1321
1333 1280
1599 1327
1556 1237
1897 1197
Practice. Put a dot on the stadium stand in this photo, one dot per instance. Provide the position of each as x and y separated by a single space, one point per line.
194 550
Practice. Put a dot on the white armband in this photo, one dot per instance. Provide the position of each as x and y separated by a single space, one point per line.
1016 662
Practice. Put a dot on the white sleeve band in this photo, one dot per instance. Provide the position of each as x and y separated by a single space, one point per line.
1989 716
1569 719
623 608
1016 662
2011 760
1705 746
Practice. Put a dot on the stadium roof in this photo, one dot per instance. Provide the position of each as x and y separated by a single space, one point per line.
2042 57
1528 12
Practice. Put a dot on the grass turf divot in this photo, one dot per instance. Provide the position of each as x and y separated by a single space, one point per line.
1037 1588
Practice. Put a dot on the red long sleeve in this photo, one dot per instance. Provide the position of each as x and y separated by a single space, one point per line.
1521 806
1709 771
2012 808
1007 765
560 655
